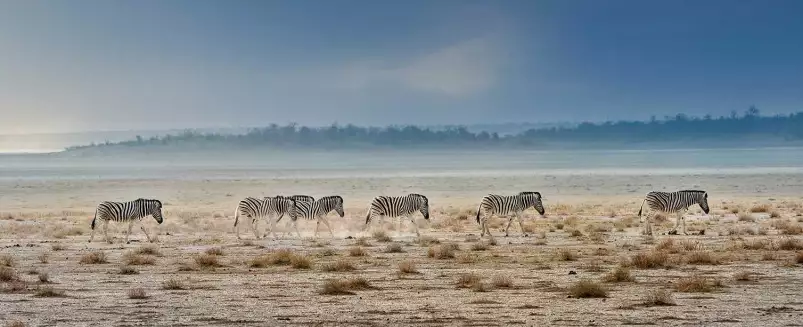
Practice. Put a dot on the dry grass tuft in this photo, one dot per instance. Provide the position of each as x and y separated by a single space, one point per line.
792 229
207 260
44 257
695 284
357 252
214 251
282 258
576 233
702 258
746 217
799 257
8 274
479 246
173 284
743 276
43 277
428 241
137 293
658 298
58 247
790 244
469 280
775 214
128 270
407 267
6 260
96 257
501 281
16 286
344 286
587 289
381 236
339 265
362 241
394 248
760 208
442 251
134 259
15 323
650 260
148 250
47 291
620 274
565 255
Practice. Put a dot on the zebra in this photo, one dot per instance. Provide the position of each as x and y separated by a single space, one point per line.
297 197
674 202
511 206
256 208
398 206
126 212
317 210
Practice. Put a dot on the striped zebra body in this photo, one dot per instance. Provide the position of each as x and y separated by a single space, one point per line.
398 206
511 206
256 208
297 198
317 210
126 212
673 202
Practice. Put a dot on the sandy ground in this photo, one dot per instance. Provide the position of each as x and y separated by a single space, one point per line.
748 256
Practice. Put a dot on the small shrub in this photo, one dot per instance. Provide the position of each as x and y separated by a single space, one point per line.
760 208
427 241
362 241
566 255
746 217
466 258
300 262
790 244
792 229
559 226
479 246
619 275
8 274
576 233
587 289
48 291
492 241
694 284
357 252
339 265
468 280
345 286
394 248
43 277
743 276
500 281
649 260
441 251
134 259
214 251
6 260
658 298
769 256
15 323
148 250
173 284
44 257
381 236
96 257
407 267
16 286
666 244
775 214
282 258
207 260
128 270
137 293
58 247
799 257
702 258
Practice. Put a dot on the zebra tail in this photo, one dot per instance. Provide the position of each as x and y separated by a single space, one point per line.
478 213
236 215
367 216
641 207
94 219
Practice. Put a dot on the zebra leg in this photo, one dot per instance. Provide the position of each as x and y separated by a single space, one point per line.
130 225
92 235
509 220
325 221
521 226
680 221
106 231
317 224
142 226
647 226
295 225
412 220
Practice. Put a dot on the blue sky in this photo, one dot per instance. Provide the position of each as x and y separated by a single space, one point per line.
116 65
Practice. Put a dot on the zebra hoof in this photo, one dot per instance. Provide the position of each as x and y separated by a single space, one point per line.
128 242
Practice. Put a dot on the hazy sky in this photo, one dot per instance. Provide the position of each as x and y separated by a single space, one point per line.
111 65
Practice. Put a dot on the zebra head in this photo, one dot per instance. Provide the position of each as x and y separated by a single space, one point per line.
152 207
423 204
329 203
533 199
703 202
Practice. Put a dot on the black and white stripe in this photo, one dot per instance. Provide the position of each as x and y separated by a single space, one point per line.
126 212
318 210
255 208
398 206
511 206
673 202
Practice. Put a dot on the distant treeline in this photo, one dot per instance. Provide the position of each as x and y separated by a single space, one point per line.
680 128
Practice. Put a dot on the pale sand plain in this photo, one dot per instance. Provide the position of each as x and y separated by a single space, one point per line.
747 263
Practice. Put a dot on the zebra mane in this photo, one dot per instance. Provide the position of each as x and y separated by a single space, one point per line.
149 200
692 191
340 198
531 193
419 196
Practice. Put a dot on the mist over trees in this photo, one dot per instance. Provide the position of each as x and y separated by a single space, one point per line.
735 128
